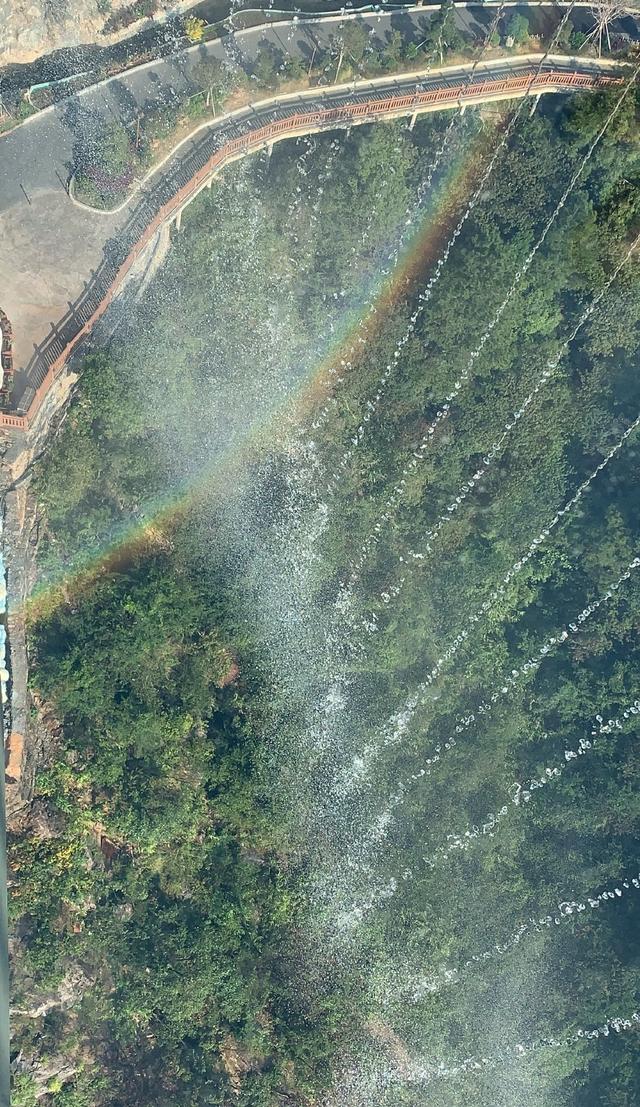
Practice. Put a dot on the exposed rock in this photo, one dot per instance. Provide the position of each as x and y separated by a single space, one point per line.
68 993
31 28
52 1071
15 757
43 822
237 1061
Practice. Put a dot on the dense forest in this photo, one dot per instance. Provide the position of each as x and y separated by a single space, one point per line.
338 639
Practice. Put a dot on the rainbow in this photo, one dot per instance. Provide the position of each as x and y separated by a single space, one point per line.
135 539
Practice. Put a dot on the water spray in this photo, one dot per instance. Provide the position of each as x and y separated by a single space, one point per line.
563 911
401 720
443 413
427 292
522 793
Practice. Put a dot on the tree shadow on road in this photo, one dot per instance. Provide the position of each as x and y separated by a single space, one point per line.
86 125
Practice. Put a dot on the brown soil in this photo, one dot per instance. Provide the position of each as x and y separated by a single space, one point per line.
387 1037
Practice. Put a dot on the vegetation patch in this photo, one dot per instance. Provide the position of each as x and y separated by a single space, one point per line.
253 886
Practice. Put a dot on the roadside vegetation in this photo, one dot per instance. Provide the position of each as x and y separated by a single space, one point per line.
162 889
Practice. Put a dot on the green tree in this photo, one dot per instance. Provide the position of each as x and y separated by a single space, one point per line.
518 28
443 35
265 67
294 70
354 39
213 77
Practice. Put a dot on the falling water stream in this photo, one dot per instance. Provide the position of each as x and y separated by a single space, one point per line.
413 847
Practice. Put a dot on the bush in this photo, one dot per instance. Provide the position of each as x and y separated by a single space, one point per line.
194 28
518 29
104 166
23 1091
577 40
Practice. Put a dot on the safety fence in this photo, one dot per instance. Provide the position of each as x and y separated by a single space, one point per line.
163 204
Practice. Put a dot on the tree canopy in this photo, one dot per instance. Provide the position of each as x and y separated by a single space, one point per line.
344 656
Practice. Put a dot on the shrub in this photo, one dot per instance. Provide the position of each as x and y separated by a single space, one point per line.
194 28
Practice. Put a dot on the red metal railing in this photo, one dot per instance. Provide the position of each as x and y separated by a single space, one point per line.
370 109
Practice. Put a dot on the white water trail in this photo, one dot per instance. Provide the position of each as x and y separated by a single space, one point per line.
336 374
300 431
346 364
455 117
507 683
523 792
399 723
434 982
427 292
395 729
494 451
427 1073
443 413
376 833
343 600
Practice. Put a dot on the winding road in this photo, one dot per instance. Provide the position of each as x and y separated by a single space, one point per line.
60 263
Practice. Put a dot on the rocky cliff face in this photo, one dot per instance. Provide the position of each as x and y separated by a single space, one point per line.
31 28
